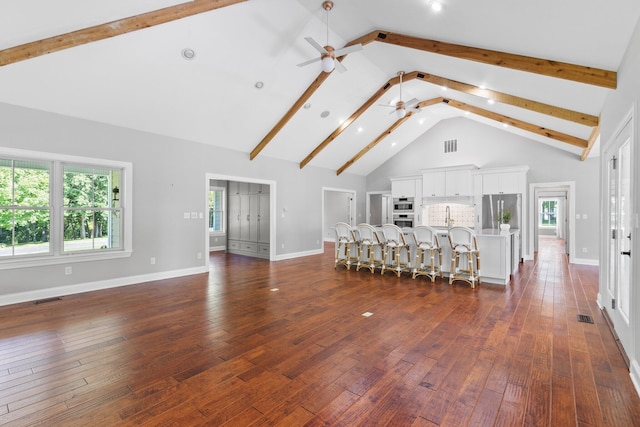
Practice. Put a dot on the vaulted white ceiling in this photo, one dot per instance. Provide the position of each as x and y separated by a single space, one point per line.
140 79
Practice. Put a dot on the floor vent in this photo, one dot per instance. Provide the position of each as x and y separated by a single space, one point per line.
451 146
42 301
584 318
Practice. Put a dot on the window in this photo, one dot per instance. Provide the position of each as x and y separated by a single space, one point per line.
25 214
91 217
56 208
216 210
548 212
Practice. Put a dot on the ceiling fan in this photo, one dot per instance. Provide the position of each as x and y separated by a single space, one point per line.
328 54
401 108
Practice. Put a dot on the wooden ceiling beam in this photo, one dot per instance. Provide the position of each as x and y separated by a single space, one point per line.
110 29
595 133
304 98
548 133
364 107
545 67
538 107
387 132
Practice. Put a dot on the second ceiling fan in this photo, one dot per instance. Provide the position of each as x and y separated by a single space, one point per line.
401 108
328 55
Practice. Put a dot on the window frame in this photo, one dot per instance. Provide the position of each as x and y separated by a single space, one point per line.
223 210
56 255
541 212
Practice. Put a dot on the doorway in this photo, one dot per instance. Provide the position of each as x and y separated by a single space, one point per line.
265 249
379 208
338 205
619 229
555 217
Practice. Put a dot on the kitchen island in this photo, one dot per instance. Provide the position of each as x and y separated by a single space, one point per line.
499 254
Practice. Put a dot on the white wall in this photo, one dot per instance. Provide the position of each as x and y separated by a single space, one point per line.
486 147
168 180
617 106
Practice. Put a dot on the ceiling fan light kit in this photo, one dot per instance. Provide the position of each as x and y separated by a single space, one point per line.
328 54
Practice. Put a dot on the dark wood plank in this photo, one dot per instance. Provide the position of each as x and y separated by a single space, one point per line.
222 349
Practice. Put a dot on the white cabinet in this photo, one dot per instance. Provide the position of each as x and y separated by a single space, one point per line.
512 180
458 183
403 187
433 184
248 222
448 182
495 254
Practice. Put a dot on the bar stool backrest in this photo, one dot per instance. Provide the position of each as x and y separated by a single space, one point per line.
425 237
344 233
463 236
368 235
393 235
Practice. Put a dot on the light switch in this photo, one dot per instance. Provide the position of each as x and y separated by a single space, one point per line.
194 215
584 216
186 215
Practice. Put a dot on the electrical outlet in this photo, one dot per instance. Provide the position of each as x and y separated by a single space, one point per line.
199 255
186 215
153 261
584 250
68 270
283 246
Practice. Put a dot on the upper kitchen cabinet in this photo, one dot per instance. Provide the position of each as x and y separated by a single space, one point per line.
433 184
448 182
511 180
406 187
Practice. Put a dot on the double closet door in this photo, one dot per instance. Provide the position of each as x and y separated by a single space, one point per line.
248 224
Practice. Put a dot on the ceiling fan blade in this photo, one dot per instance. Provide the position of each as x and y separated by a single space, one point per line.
348 49
341 68
411 103
311 61
316 45
387 105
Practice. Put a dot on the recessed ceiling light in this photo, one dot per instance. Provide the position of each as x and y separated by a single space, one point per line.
421 121
444 88
360 129
491 101
325 114
483 87
393 144
188 54
436 6
466 113
259 85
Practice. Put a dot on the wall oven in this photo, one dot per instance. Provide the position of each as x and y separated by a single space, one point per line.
403 220
403 205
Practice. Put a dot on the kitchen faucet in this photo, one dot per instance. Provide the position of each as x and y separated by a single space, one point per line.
447 217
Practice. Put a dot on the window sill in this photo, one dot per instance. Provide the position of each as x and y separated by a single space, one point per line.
61 259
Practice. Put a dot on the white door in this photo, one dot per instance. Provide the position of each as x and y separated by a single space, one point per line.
620 234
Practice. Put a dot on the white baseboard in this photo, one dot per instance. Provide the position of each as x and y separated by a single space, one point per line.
217 248
599 301
634 372
94 286
584 261
298 254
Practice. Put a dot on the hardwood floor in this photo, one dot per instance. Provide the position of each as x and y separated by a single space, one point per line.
227 348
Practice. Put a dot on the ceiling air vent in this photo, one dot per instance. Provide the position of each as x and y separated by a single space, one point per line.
451 146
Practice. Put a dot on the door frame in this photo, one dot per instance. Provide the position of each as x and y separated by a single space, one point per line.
368 203
352 210
630 349
272 209
534 189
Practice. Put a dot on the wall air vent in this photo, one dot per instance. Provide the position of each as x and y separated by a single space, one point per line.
451 146
382 36
420 76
